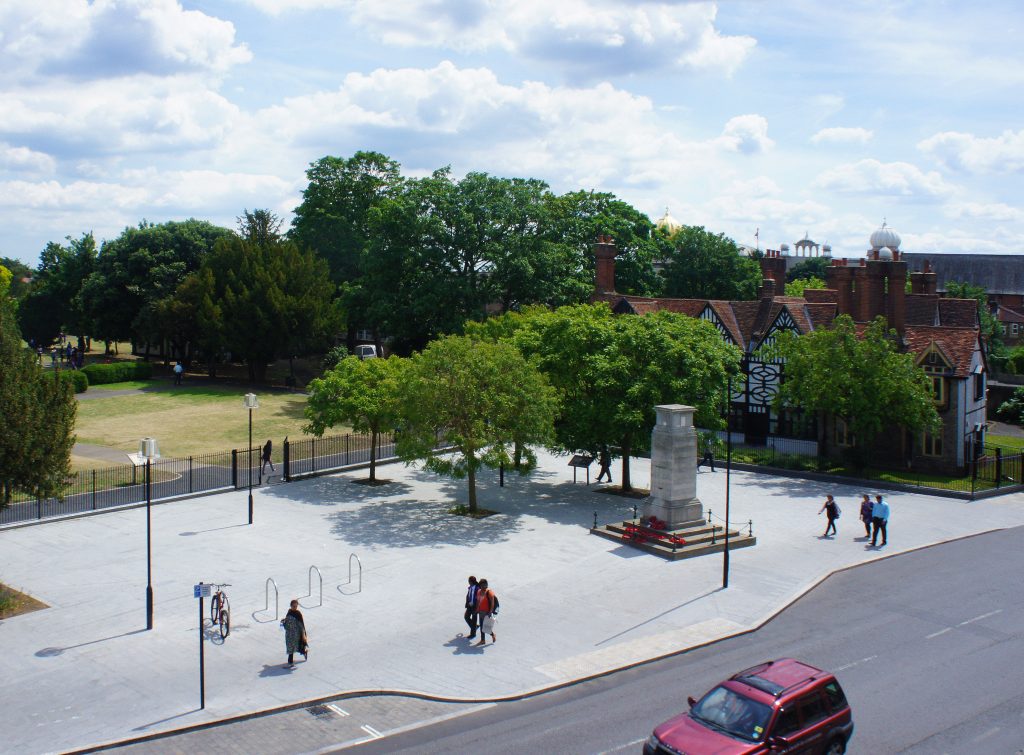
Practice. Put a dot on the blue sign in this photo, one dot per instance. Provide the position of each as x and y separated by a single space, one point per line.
201 590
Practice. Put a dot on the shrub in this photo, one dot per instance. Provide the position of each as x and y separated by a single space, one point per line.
77 379
1013 410
117 372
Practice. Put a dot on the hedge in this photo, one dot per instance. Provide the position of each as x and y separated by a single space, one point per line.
117 372
79 382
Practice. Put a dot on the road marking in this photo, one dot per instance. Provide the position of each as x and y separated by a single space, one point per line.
634 743
936 634
336 709
979 618
857 663
371 731
987 734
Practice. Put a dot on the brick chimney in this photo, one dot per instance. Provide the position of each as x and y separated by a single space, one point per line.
604 254
773 265
768 289
924 282
840 278
896 294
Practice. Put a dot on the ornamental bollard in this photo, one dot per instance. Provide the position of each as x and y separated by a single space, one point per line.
712 527
595 520
750 524
634 511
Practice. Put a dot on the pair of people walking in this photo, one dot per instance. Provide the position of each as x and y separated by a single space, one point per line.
874 515
481 610
295 638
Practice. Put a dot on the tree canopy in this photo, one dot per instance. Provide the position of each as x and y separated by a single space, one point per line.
864 380
361 393
612 370
482 398
38 413
706 265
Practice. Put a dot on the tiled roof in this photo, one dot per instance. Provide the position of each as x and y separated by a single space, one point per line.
996 273
958 344
921 309
958 313
821 295
1005 314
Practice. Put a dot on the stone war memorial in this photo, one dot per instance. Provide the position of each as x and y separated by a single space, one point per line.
672 522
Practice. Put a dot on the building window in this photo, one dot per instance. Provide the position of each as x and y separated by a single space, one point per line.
939 389
364 335
931 445
843 436
979 386
1014 328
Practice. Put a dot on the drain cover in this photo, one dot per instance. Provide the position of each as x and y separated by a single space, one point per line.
319 711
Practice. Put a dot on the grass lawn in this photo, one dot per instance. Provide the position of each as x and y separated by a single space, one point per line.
127 385
186 421
1006 441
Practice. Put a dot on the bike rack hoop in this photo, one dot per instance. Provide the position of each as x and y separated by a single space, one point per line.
360 564
310 593
266 607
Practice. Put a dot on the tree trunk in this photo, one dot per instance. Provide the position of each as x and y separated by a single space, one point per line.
517 456
374 434
627 447
472 483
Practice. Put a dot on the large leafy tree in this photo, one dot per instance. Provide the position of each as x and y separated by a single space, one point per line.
483 397
574 220
273 301
864 380
55 303
989 324
706 265
361 393
38 413
19 273
611 371
811 268
139 268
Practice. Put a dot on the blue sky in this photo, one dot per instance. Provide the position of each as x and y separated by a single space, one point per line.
788 116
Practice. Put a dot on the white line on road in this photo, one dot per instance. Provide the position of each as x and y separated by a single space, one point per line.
979 618
371 731
337 710
634 743
986 734
936 634
857 663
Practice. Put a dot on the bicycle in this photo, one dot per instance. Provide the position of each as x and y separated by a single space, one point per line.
220 611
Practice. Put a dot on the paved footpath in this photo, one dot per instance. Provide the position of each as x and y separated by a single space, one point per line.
85 671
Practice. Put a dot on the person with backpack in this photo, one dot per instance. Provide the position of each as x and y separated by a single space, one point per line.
486 610
832 511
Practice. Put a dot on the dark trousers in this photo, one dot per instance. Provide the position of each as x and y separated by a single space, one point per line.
878 525
470 617
707 459
605 470
867 527
831 526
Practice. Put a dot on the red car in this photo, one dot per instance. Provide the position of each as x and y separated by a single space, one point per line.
783 706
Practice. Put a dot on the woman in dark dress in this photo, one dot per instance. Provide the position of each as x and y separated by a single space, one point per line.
295 634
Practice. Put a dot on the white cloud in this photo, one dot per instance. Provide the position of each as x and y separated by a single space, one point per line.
111 38
23 159
592 37
747 134
996 211
870 177
843 135
974 154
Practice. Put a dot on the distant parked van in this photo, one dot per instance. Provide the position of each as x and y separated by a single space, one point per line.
366 351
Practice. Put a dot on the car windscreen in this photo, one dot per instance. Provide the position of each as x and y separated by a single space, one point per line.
726 710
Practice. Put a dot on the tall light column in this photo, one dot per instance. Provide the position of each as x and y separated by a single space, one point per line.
251 402
149 450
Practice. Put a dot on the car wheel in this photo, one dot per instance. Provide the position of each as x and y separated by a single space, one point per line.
838 747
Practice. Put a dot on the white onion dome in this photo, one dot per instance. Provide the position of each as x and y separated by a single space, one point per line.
885 238
826 249
784 248
668 223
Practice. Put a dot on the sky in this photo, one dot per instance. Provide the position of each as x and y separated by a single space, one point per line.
780 118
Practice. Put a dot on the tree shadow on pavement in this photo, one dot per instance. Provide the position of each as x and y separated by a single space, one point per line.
335 491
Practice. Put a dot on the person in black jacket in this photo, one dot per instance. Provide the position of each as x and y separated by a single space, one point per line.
470 615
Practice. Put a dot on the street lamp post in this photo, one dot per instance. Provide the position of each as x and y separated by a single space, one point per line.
148 450
251 402
728 471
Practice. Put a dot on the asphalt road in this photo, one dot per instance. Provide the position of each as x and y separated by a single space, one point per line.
927 645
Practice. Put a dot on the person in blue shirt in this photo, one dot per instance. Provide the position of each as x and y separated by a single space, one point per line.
879 520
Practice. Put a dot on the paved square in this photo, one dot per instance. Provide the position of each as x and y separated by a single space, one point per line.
85 671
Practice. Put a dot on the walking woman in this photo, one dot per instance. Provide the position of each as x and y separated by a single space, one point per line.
831 509
866 507
294 634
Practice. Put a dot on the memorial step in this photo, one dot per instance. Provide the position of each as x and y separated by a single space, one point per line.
699 540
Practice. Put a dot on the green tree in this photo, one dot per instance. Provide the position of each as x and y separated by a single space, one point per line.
55 304
482 397
865 381
139 268
705 265
810 268
39 418
573 222
273 301
361 393
259 226
798 286
611 371
19 272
